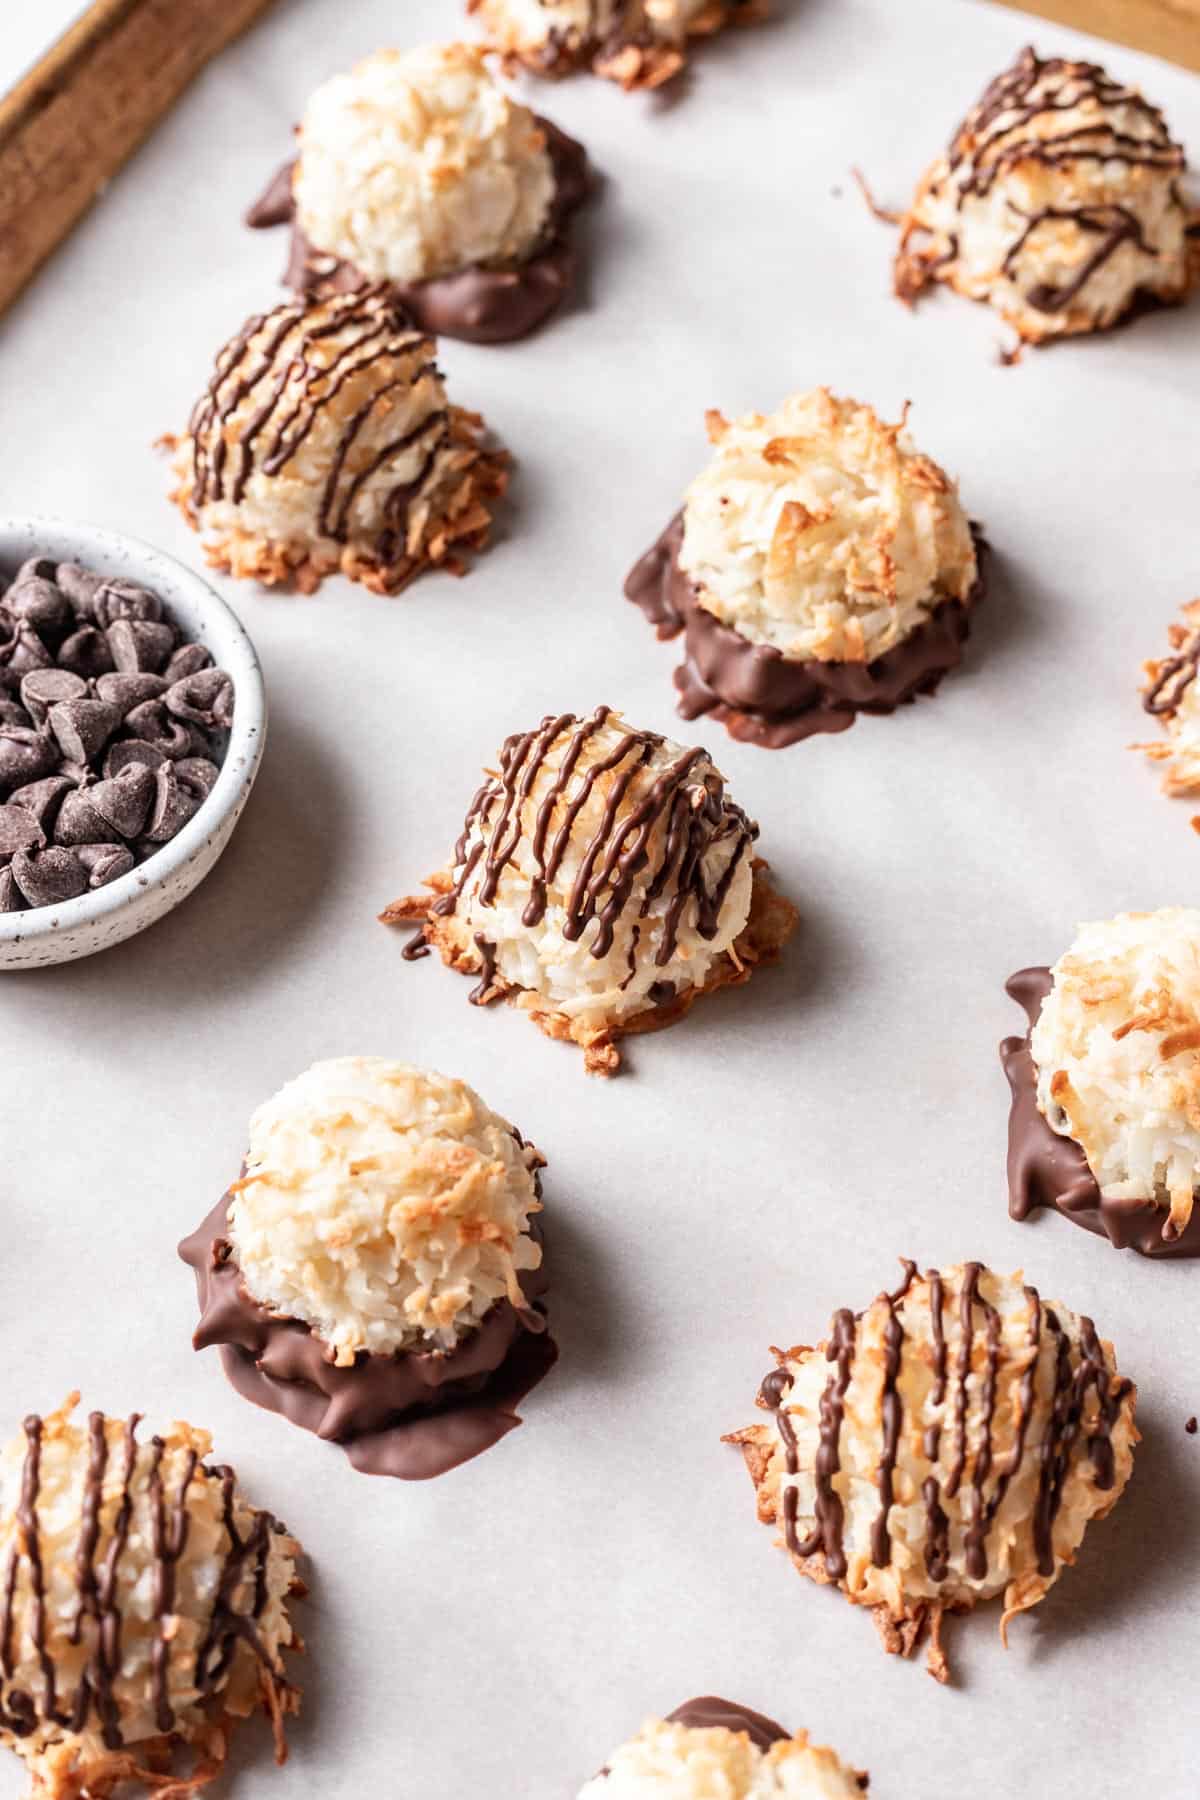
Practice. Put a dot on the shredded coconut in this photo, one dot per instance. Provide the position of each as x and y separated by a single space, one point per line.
681 1762
1117 1053
386 1207
418 164
822 532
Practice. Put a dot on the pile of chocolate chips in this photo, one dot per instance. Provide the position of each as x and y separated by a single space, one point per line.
112 731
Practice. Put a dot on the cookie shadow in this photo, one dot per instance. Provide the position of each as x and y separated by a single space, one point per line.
1135 1556
584 1302
1013 609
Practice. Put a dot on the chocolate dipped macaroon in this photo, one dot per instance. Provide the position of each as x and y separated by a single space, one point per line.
710 1748
948 1446
144 1609
1171 695
1059 202
821 567
1105 1120
603 881
325 443
417 169
375 1274
636 43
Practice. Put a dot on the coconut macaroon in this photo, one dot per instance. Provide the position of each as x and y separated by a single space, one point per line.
417 169
1106 1087
603 880
1170 695
144 1609
376 1271
1059 201
711 1748
637 43
949 1445
325 442
821 566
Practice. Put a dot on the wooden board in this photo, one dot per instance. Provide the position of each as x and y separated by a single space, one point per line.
1169 28
68 126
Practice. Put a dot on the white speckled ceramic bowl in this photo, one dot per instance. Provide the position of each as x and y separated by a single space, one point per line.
54 934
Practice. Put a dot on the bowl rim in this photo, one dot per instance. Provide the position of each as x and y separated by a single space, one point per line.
246 736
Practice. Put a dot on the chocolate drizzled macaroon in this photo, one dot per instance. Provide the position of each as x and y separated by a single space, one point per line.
376 1272
637 43
1105 1121
821 567
948 1445
418 170
711 1747
1059 201
1170 694
324 442
144 1607
603 881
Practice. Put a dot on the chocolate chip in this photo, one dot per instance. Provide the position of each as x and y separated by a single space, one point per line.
205 698
138 644
86 651
25 755
150 723
42 605
24 651
124 802
39 568
41 688
198 774
79 585
47 877
78 821
19 830
131 750
111 730
127 691
42 799
105 862
118 599
174 805
189 659
83 727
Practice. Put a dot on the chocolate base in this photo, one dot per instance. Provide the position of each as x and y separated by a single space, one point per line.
763 697
412 1415
479 305
709 1713
1046 1169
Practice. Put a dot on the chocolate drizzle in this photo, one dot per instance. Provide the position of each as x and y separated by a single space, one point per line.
973 1390
1046 1168
766 698
411 1415
689 812
276 351
1173 677
996 137
98 1606
482 305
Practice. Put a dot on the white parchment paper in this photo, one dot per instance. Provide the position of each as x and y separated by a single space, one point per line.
496 1632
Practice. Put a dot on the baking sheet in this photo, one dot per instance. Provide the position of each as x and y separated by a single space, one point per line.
496 1632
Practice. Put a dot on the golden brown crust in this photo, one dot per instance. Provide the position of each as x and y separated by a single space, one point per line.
771 922
1181 777
633 66
58 1775
921 263
462 526
900 1632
